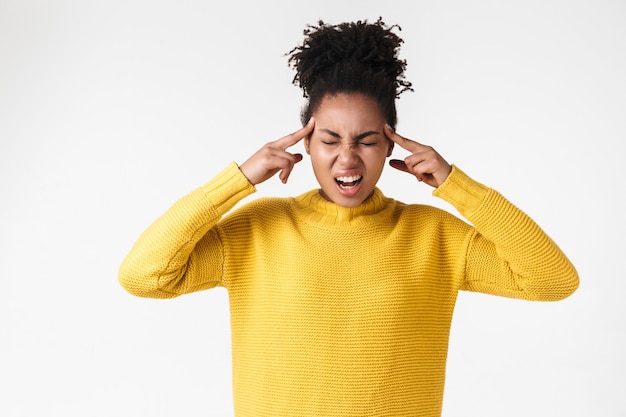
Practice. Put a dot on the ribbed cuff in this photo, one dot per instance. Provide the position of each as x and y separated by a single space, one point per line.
226 189
464 193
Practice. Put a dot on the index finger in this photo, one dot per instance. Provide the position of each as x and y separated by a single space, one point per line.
290 140
408 144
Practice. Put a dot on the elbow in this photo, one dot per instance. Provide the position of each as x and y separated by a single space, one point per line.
142 284
571 282
571 286
130 283
138 288
560 288
134 282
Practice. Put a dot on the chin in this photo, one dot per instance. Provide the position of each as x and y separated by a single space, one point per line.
343 201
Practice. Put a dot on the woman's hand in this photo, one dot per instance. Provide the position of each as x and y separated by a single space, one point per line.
273 157
424 162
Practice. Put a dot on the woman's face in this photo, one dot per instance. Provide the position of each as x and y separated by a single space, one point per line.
348 147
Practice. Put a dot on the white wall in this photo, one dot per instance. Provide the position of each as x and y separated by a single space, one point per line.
111 110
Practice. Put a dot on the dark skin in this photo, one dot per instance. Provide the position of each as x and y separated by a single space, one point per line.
426 164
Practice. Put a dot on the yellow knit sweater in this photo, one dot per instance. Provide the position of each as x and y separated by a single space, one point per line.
343 311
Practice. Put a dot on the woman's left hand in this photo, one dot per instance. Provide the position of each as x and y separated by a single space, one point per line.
424 162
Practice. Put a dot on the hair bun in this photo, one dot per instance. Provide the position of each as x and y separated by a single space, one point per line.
349 47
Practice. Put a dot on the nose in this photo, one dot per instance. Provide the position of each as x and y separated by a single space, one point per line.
347 154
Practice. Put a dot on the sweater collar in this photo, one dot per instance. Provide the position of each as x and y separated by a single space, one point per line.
315 209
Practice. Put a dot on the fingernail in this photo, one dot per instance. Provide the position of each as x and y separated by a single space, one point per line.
310 121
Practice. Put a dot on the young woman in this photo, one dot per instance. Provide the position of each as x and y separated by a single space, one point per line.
342 298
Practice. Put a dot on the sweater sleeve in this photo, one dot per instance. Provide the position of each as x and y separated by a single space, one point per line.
164 262
508 254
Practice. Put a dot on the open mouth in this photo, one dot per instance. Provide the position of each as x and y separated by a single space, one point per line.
349 182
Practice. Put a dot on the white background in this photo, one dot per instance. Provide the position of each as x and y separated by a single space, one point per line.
112 110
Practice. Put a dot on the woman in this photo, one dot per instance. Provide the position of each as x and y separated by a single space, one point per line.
342 298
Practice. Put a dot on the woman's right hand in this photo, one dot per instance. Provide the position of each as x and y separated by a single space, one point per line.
273 157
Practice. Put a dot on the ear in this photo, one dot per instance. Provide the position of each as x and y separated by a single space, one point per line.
307 144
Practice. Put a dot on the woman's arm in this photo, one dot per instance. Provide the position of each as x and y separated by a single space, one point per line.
509 254
163 261
181 252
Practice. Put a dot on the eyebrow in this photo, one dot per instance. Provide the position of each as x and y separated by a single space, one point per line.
357 138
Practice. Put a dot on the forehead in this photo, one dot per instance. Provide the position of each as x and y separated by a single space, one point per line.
348 108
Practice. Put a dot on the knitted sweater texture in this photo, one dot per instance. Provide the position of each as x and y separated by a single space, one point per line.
343 311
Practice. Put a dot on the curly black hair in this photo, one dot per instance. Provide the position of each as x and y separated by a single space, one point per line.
350 57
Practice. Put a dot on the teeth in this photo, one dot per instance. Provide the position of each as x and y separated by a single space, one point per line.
352 178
